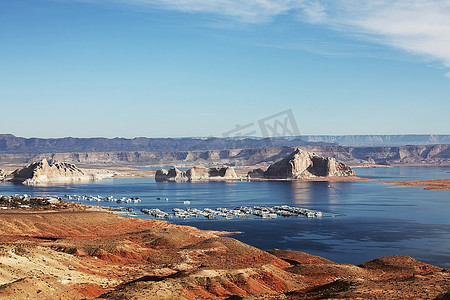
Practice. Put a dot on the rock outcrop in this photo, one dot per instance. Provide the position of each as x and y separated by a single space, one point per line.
42 173
196 174
303 164
3 174
256 173
173 174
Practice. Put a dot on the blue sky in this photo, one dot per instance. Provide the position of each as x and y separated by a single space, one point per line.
175 68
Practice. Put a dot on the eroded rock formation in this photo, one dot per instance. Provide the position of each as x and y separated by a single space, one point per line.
41 173
303 164
196 174
3 174
256 173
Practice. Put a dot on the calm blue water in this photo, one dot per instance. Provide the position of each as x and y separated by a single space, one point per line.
379 219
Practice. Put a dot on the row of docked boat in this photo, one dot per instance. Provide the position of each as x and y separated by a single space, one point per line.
264 212
99 198
157 213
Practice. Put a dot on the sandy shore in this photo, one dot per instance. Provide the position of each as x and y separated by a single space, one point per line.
431 184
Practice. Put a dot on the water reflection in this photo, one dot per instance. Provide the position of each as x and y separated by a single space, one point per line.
300 192
324 194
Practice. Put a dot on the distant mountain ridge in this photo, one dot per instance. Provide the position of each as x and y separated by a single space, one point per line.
379 140
353 156
12 144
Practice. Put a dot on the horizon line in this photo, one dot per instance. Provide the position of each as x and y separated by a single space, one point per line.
221 137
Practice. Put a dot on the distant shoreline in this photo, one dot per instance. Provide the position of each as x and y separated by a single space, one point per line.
430 184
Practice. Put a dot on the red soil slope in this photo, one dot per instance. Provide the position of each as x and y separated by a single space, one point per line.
85 254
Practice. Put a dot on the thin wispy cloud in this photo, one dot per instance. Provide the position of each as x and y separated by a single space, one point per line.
417 26
420 27
249 11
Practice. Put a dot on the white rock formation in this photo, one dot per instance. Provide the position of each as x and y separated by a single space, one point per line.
43 173
303 164
196 174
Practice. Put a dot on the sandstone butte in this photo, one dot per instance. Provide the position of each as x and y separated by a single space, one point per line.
301 164
81 254
43 173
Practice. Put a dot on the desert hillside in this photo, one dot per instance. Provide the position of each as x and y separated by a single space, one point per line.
78 254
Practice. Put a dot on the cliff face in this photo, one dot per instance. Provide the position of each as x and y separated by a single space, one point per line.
302 164
12 144
429 154
380 140
172 174
196 174
42 172
426 154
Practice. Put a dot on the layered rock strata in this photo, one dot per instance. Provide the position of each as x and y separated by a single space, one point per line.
303 164
42 173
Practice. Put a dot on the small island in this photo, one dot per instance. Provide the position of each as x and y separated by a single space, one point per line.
298 165
44 173
301 164
196 174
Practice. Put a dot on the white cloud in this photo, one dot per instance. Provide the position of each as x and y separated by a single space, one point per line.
314 11
417 26
447 74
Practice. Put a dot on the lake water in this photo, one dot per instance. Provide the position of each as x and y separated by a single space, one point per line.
379 219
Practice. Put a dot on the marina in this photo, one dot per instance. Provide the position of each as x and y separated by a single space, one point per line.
244 212
99 198
223 213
